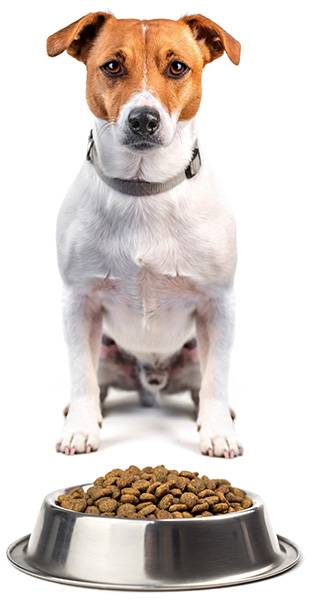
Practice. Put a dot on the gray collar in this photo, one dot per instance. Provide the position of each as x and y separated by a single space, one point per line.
139 187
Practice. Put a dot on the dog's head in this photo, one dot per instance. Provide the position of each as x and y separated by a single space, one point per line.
144 76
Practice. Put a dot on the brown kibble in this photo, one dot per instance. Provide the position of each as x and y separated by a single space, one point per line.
233 498
125 480
96 491
212 500
205 493
107 505
221 507
247 502
92 510
237 492
155 493
236 506
176 492
188 474
125 498
124 510
130 490
163 514
147 510
77 504
162 490
143 505
147 497
189 499
141 485
166 501
199 508
178 507
152 487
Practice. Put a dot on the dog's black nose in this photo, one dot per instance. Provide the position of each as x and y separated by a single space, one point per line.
144 120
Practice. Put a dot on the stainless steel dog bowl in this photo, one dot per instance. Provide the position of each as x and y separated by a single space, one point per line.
171 554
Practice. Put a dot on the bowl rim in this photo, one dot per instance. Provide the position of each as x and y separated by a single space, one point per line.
50 500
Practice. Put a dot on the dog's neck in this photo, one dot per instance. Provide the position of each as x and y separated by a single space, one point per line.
158 164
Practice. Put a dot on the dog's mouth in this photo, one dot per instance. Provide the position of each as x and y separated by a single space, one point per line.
141 144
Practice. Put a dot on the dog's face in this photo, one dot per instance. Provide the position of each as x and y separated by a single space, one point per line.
144 76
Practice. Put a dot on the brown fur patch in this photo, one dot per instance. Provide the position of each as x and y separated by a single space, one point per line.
145 49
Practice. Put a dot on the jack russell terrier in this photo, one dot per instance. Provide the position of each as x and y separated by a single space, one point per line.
146 247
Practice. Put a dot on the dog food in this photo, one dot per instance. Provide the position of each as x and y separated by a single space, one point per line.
156 493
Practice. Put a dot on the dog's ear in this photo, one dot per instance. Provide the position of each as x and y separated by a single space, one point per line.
78 37
212 39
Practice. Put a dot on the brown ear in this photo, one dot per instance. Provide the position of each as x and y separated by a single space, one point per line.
77 38
213 39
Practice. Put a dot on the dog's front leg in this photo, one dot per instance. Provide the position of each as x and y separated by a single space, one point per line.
82 326
214 330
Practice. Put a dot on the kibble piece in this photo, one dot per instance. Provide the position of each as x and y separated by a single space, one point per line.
107 505
107 514
189 499
178 507
198 484
177 515
99 481
147 510
176 492
237 492
115 472
236 506
199 508
125 480
205 493
124 510
141 485
130 490
188 474
96 491
247 502
212 500
221 507
186 514
112 490
109 480
152 487
162 490
128 498
77 504
163 514
166 501
233 497
92 510
143 505
147 497
133 469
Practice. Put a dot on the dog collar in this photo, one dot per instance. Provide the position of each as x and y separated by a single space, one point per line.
139 187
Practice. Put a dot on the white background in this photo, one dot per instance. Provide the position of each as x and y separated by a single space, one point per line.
258 128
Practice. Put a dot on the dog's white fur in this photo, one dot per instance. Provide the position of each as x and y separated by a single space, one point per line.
152 272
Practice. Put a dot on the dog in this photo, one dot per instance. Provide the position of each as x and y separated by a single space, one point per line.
146 246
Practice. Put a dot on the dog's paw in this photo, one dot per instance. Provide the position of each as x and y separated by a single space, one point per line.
81 432
217 432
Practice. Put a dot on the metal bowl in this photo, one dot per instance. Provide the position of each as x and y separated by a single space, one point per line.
88 550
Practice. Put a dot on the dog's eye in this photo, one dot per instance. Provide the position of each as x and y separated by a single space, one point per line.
177 69
113 68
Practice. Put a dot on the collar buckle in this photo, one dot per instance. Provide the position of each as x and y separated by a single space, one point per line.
194 165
